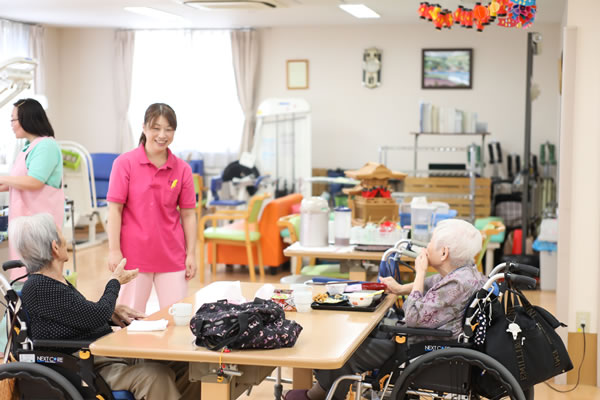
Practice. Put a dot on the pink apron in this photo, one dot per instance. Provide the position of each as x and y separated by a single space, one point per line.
30 202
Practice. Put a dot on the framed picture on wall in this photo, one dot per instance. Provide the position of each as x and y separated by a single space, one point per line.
447 69
297 74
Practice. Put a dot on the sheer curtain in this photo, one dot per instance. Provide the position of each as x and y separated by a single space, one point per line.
192 71
15 40
36 49
124 44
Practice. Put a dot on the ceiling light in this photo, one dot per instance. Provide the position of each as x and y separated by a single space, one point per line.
207 5
359 11
153 13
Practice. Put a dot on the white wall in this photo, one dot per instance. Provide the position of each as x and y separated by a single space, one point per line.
350 121
80 87
347 118
579 194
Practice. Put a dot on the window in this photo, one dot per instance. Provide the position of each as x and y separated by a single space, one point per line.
14 42
192 71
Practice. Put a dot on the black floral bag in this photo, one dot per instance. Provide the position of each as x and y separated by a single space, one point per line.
522 337
260 324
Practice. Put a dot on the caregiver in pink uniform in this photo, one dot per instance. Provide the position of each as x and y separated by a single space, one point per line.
145 226
35 180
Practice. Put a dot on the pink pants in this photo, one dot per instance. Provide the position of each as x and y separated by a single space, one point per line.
170 288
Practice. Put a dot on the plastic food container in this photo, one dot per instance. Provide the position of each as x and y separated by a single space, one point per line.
336 288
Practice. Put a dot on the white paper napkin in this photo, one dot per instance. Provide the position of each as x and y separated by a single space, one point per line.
148 326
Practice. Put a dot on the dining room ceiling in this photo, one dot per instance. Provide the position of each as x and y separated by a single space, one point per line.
111 13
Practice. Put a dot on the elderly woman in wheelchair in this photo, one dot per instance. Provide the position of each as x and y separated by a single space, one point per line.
57 314
436 303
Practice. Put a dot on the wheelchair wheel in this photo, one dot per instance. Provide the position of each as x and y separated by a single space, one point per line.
455 373
45 380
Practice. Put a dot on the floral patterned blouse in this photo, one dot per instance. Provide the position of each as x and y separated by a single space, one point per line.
444 301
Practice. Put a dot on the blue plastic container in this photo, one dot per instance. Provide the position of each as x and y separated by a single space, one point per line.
440 217
405 217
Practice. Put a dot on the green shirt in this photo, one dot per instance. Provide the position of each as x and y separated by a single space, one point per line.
44 162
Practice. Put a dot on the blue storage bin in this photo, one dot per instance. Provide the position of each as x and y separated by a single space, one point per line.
404 219
439 217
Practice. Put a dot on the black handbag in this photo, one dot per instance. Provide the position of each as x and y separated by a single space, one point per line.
522 337
259 324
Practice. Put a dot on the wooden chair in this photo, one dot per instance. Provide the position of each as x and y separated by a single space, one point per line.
490 229
291 223
247 236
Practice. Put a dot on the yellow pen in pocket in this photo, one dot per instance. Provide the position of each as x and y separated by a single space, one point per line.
174 184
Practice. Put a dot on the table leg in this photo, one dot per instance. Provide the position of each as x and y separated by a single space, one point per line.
489 257
302 378
489 261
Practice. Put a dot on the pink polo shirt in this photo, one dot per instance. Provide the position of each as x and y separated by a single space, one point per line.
152 236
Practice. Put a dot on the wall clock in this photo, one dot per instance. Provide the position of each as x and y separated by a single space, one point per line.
371 68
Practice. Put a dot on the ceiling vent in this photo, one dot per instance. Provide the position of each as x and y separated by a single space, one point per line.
231 4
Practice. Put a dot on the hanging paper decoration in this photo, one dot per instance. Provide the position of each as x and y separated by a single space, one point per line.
509 23
524 2
509 13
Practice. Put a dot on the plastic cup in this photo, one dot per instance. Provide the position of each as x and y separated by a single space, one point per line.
302 300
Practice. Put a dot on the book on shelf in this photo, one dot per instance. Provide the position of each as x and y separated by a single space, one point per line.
436 119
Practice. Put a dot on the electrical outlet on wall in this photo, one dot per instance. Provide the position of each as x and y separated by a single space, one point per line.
582 318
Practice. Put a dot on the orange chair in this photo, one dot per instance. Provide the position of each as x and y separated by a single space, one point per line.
232 235
271 243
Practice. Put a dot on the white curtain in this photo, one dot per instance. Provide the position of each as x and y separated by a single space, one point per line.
36 49
192 71
14 42
124 45
245 48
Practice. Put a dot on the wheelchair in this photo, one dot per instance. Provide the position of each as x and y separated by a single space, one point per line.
47 369
436 368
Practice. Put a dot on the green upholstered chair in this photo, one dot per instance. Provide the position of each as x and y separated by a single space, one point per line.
492 228
242 232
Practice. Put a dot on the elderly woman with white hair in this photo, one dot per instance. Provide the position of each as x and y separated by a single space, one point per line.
57 311
435 302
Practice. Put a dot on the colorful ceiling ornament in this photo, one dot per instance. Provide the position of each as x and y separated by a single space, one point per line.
508 13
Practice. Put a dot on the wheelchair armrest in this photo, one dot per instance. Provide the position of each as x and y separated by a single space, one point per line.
12 264
416 331
62 344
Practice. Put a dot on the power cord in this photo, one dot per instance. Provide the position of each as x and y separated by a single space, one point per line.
578 369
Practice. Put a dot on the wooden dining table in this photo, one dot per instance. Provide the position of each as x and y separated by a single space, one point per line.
327 341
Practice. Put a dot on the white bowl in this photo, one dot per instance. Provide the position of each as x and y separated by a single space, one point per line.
359 299
336 288
375 297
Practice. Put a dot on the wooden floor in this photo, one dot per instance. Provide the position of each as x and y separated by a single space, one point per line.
93 275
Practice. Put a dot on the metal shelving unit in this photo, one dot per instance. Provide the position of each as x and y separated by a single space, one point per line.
469 172
416 148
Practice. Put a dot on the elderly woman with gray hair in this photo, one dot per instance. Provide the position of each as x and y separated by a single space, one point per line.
436 302
58 311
